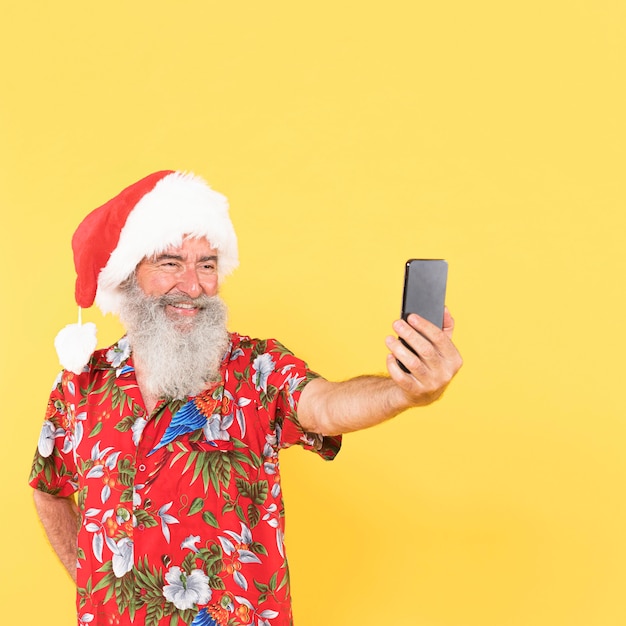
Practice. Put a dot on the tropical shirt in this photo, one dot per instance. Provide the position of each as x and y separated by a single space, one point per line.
181 511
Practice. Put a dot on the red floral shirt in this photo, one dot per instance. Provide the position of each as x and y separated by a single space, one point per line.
182 518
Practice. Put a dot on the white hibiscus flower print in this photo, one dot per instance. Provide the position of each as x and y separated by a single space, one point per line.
186 590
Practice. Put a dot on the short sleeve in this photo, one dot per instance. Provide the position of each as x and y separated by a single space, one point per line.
54 466
291 375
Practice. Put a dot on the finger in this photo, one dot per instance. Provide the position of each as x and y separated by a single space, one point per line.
415 336
448 322
398 375
422 325
440 339
411 360
407 381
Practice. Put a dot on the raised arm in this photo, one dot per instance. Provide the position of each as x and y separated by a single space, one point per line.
332 408
60 520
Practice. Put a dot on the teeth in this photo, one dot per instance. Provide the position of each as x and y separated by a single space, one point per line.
184 306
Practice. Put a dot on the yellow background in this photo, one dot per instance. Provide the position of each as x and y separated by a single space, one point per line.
350 136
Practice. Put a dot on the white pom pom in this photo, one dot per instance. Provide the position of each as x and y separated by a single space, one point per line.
75 344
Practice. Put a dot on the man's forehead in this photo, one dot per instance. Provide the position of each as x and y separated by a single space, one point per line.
198 247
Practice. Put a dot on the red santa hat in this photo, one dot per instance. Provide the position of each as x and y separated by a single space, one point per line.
144 219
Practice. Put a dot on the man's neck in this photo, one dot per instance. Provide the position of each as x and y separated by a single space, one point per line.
150 399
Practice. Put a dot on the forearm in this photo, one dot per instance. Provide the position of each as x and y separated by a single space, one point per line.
60 519
331 408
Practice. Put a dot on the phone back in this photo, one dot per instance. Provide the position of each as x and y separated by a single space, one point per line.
425 289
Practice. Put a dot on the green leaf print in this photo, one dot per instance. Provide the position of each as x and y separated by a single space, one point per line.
243 487
210 519
259 491
96 429
154 613
125 424
143 517
196 506
254 515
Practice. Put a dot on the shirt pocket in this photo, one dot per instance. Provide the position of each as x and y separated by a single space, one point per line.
197 468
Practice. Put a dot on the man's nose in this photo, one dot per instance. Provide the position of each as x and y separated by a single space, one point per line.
189 283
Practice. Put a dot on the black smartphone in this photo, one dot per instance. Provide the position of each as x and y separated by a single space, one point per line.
424 291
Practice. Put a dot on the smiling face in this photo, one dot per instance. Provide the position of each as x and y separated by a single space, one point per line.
175 321
186 271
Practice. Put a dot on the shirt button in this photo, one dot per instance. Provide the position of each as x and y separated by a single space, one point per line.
142 468
141 527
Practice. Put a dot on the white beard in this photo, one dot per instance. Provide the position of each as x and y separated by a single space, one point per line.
177 359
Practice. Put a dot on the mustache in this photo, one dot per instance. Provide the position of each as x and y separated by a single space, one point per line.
201 302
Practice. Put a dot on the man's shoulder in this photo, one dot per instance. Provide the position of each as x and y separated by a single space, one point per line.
244 344
114 357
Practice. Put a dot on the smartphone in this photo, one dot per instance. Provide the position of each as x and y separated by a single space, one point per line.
424 291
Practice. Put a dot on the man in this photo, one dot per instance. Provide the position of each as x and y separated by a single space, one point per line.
156 476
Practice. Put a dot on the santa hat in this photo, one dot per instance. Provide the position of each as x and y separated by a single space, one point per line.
143 220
